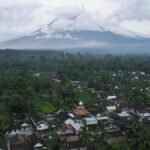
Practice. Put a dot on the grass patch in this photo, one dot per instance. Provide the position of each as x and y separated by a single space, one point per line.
44 106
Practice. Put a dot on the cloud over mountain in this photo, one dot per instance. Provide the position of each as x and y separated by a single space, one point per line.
124 17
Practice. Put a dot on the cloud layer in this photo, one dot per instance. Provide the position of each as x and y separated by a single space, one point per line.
126 17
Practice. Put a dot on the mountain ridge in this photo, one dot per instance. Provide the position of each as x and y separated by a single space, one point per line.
48 38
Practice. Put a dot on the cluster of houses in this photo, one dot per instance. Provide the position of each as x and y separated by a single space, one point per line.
39 131
64 129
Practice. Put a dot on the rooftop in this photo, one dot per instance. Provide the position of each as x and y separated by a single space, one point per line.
72 138
79 111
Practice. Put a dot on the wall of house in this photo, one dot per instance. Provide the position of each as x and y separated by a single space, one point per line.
42 126
27 131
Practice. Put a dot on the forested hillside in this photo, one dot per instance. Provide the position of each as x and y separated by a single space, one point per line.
54 61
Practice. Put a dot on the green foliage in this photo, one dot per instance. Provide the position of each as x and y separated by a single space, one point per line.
86 97
85 136
44 106
21 91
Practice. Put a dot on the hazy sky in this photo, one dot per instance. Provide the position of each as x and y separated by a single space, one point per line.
22 17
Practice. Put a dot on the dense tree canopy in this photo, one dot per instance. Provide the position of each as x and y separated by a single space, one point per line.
26 85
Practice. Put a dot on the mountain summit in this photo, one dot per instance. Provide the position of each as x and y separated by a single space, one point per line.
50 37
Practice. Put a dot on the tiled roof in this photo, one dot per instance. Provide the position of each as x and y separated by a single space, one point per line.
80 111
122 102
62 116
72 138
36 117
66 127
56 80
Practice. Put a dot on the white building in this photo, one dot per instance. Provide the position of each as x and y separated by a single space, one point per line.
90 121
18 128
111 97
111 108
124 114
39 122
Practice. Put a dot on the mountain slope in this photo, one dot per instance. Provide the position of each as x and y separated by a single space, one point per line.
48 38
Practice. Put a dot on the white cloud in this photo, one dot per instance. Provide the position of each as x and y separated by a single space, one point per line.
141 28
22 17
